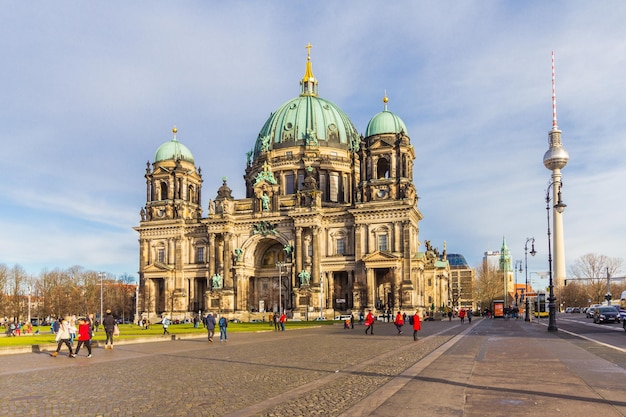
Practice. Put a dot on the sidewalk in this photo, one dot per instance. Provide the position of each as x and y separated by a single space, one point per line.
503 368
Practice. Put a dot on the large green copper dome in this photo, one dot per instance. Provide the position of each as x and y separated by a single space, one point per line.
173 150
307 120
385 122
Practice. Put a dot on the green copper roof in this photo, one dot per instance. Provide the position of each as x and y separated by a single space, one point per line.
306 120
385 122
173 150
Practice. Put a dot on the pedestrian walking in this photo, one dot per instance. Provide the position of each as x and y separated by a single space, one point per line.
351 321
84 337
399 322
72 328
283 319
109 327
417 325
223 323
469 316
209 323
165 323
369 322
462 315
63 337
276 322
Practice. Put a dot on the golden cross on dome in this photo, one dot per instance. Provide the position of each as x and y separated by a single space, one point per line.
308 48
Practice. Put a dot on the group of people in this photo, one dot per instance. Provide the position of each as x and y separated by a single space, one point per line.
279 321
16 329
399 321
68 329
210 323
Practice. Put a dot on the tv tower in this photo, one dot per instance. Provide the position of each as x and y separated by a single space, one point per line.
555 159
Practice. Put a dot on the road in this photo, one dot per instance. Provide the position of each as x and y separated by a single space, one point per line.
328 371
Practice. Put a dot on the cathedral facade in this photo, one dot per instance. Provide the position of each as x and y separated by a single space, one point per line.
329 223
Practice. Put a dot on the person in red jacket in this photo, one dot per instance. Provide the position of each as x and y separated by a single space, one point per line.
399 322
417 325
462 316
369 322
84 337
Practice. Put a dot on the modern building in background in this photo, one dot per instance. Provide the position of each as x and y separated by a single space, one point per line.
329 222
462 279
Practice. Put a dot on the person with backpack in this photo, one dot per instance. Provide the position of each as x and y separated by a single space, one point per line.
223 323
209 323
63 337
166 324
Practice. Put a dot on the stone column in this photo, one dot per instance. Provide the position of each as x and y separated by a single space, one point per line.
315 267
298 250
211 256
371 287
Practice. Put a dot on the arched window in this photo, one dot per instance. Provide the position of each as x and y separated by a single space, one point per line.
382 168
163 190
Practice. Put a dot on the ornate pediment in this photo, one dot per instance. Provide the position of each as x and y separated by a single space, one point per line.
158 267
380 256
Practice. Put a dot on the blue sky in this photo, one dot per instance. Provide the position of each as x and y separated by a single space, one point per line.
90 90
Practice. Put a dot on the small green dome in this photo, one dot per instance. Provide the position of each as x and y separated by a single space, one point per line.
173 150
385 122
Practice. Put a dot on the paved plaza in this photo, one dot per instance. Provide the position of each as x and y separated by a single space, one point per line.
480 369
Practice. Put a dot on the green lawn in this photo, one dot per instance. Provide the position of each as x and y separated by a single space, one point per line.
130 331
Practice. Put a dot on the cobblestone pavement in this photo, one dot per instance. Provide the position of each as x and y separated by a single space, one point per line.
307 372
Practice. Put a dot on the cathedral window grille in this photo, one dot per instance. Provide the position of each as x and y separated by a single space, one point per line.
200 254
289 185
323 184
334 187
382 242
300 180
341 246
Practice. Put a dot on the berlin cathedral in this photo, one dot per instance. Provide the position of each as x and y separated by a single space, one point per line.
329 224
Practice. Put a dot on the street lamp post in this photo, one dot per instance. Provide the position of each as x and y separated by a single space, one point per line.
518 266
101 275
533 253
559 207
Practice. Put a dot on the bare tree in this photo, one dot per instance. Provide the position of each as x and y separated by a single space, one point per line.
488 285
591 270
16 280
4 274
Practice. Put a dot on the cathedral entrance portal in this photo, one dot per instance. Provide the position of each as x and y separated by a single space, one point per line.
385 289
271 286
